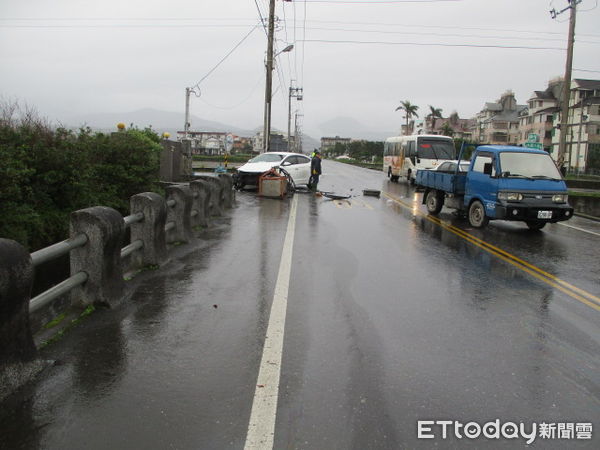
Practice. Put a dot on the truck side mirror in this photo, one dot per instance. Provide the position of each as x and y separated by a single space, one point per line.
487 168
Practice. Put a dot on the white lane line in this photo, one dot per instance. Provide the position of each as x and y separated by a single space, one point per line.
261 429
579 229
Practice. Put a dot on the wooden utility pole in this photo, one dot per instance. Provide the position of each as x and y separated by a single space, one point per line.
564 115
269 83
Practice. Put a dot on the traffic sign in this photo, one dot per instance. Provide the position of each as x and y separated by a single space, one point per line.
533 137
536 145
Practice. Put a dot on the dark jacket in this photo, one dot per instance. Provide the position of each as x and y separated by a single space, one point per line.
315 165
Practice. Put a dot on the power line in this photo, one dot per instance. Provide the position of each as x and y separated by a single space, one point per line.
262 20
347 2
511 30
480 36
434 44
226 56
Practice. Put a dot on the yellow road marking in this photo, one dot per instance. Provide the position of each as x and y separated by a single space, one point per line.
569 289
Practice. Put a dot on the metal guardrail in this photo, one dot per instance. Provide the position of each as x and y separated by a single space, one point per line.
128 250
58 250
54 292
134 218
63 248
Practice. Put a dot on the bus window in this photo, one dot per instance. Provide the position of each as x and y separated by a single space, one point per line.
411 148
436 149
386 149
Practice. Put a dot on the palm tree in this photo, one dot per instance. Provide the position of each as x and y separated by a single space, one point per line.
447 130
410 111
436 113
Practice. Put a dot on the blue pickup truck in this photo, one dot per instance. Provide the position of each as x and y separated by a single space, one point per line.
502 182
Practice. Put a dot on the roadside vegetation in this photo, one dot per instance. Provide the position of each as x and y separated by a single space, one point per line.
46 173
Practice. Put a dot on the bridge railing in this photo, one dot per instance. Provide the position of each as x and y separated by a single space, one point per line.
98 262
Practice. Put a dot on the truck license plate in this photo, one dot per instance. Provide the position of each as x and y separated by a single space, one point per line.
544 215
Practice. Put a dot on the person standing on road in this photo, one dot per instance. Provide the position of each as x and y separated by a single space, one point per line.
315 170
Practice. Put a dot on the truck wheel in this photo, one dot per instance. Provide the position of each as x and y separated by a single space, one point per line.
434 202
533 225
477 217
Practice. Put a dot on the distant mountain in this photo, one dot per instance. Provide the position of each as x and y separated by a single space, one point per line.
349 127
159 120
162 121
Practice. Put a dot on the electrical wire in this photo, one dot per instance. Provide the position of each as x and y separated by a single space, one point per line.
347 2
434 44
225 57
479 36
262 20
238 104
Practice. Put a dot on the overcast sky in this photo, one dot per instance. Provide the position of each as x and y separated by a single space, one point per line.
71 57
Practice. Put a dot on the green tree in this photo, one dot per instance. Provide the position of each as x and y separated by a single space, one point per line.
435 113
47 173
447 130
410 111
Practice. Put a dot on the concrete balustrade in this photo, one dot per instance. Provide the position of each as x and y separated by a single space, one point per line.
228 191
180 213
201 192
150 230
18 355
94 246
100 258
216 195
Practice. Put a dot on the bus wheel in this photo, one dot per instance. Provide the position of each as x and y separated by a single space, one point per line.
389 172
434 202
477 217
533 225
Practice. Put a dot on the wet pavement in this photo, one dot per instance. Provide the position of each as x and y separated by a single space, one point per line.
391 318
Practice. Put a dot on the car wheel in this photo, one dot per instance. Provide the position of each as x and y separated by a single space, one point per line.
534 225
477 217
434 201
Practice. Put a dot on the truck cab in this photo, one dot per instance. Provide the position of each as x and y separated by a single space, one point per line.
503 182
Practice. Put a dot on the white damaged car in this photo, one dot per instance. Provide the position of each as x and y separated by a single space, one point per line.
296 165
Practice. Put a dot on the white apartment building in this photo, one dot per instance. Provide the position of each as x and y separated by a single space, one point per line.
582 152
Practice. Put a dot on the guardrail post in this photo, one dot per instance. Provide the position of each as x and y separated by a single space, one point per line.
151 230
201 191
228 191
180 214
18 355
100 258
216 195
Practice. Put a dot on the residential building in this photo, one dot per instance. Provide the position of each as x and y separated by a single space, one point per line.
537 120
582 152
461 128
330 142
498 122
277 143
206 142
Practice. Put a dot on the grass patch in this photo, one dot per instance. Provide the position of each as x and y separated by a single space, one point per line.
86 312
57 320
584 194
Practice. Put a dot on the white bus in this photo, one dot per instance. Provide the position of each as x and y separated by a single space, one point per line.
404 155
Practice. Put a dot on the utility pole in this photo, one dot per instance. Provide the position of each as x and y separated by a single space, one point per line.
186 126
269 83
564 119
297 93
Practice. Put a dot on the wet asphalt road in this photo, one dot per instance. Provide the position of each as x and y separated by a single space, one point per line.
391 318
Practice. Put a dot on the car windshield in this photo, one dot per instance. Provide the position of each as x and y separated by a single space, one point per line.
432 148
267 157
528 165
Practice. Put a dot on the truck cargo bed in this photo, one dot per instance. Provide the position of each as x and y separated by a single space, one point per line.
453 183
